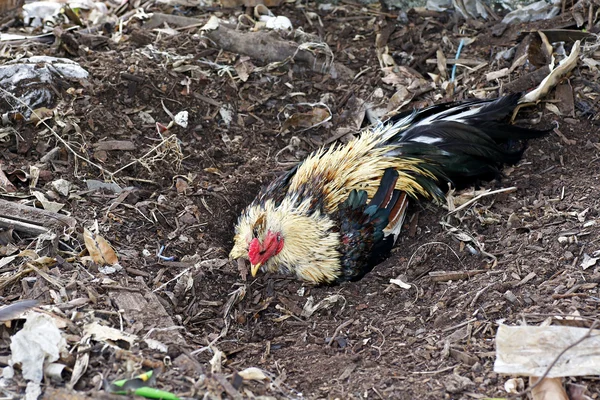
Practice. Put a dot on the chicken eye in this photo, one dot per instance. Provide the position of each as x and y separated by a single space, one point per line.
255 232
279 237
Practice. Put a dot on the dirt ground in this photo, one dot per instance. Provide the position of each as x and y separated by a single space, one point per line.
370 339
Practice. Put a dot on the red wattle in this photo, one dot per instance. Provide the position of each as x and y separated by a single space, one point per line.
254 251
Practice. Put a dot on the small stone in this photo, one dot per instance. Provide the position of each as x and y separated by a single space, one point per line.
187 219
568 255
457 384
61 186
510 296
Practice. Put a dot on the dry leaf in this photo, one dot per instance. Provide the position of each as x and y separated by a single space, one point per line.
548 389
106 334
182 186
514 385
307 120
100 250
5 183
40 114
244 68
213 170
563 68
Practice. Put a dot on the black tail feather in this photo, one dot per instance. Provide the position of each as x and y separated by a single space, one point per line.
385 190
462 141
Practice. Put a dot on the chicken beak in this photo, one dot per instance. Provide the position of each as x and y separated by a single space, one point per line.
254 269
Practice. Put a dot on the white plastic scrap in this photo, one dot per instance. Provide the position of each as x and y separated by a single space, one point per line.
181 119
35 13
400 283
276 23
467 8
539 10
38 12
211 25
33 77
39 343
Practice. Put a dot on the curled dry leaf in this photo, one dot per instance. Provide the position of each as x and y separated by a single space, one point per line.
100 250
111 336
5 183
401 76
310 119
310 308
563 68
181 185
253 373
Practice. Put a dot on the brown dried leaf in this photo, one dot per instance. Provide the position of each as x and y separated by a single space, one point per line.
306 120
548 389
182 186
40 114
213 170
563 68
441 63
401 76
100 250
231 3
5 183
244 68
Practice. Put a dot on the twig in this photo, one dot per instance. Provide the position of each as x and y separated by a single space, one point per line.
14 278
479 293
450 328
229 389
338 329
24 227
56 135
152 150
445 276
439 371
42 219
390 286
77 155
185 271
482 195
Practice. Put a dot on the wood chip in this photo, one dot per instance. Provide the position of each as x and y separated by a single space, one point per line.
445 276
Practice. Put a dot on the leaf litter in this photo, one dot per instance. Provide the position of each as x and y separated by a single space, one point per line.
166 130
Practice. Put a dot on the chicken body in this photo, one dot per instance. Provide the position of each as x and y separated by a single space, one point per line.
339 212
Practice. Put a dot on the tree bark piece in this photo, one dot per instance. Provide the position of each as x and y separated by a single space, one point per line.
32 220
527 81
270 47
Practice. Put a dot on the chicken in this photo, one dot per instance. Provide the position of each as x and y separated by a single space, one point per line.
338 213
